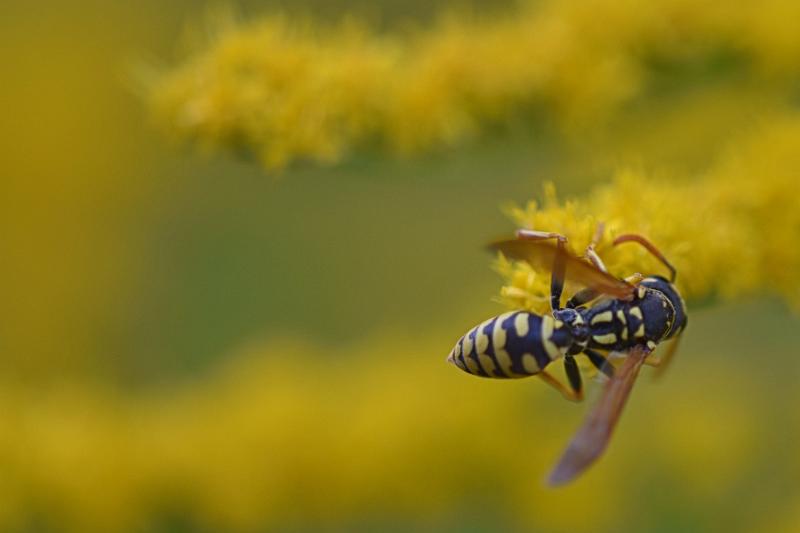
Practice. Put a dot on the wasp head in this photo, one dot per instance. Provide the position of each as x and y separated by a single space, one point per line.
671 294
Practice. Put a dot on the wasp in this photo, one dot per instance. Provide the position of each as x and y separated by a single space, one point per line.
627 317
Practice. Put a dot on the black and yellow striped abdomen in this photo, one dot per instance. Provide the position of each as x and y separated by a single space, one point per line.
513 345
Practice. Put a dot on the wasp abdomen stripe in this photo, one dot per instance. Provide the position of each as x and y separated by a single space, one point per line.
483 348
525 343
512 345
470 353
498 347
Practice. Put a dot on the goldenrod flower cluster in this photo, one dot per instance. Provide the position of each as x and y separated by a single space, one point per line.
284 439
732 232
286 89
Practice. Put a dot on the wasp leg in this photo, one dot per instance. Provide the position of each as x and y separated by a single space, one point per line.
653 361
650 247
573 375
587 295
591 254
535 235
566 392
559 265
634 279
667 357
601 363
581 297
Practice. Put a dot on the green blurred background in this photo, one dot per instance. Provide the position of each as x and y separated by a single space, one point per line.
135 248
136 273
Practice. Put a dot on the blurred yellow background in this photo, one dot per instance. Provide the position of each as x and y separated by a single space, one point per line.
194 342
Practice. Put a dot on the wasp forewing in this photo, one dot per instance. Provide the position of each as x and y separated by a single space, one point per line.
591 440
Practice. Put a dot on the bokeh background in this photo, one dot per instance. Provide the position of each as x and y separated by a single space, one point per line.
194 342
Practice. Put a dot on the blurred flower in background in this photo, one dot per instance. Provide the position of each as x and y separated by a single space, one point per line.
189 345
294 89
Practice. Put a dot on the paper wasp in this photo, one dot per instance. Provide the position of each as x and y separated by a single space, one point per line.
626 317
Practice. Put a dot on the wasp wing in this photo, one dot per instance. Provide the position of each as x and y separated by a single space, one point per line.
591 440
544 255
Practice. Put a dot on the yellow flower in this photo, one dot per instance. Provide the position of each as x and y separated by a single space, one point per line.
290 89
281 436
282 89
730 233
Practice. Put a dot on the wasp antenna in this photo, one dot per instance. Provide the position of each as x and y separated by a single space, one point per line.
650 247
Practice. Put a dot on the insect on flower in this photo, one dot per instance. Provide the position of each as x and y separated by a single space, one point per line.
627 317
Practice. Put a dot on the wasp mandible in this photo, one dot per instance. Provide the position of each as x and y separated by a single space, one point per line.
628 316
